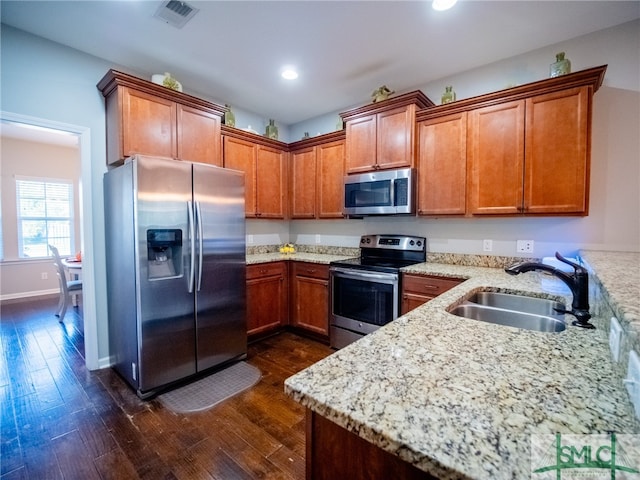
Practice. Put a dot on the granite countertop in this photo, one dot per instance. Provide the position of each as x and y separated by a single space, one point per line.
459 398
323 258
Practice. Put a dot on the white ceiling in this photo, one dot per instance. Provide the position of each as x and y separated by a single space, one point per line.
31 133
232 51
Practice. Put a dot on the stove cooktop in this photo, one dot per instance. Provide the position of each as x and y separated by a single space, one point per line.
375 265
387 253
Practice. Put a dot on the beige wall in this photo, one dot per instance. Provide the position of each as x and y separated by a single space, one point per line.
21 277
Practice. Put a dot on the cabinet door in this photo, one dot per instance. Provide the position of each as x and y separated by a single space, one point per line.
240 155
303 183
418 289
330 171
148 125
495 148
270 182
557 152
395 132
361 144
266 297
199 136
442 165
310 297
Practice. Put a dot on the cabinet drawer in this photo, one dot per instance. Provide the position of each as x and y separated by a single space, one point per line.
314 270
428 285
265 270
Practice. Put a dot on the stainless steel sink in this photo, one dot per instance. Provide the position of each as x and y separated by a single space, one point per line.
518 303
519 311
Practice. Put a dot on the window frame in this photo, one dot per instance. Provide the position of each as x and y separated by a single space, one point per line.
49 239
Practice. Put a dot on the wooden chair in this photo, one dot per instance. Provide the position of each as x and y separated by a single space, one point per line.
67 287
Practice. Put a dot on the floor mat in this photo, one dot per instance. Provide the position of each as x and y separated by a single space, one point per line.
209 391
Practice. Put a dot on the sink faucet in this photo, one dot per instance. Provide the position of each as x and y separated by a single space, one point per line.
578 282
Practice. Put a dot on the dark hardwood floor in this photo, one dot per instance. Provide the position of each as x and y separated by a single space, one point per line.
60 420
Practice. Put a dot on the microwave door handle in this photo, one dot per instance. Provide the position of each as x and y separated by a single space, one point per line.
392 192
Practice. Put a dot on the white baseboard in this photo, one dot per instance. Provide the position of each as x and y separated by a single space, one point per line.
106 362
37 293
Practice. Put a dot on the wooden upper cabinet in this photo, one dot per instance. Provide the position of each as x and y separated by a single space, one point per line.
361 154
531 156
317 177
528 149
148 124
557 152
149 119
496 158
271 179
395 137
382 135
442 165
240 155
330 175
199 137
265 173
303 183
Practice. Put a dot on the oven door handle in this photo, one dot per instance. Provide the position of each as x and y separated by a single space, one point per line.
358 275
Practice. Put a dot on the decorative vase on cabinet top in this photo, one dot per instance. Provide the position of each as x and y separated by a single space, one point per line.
167 80
229 116
449 95
272 130
561 66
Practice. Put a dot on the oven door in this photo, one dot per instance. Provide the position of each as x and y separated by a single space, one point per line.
362 301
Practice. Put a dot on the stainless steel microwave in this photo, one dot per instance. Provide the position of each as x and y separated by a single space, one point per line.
384 192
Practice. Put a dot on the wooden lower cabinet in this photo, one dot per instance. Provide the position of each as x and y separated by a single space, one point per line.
267 308
333 452
419 289
310 297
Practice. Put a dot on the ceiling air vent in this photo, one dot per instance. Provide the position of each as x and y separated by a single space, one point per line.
175 13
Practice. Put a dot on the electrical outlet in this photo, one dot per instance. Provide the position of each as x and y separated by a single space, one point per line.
632 382
524 246
318 239
487 245
615 335
249 238
44 276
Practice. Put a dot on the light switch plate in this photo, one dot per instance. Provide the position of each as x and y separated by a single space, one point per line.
632 382
615 336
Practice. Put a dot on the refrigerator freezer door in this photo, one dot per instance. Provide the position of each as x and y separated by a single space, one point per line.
220 277
166 336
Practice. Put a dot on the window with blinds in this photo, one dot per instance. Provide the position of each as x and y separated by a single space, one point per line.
45 216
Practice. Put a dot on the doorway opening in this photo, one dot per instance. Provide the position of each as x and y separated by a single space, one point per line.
62 132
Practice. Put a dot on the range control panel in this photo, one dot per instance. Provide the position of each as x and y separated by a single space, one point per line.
394 242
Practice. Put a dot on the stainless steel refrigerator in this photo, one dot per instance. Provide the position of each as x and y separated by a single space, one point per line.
175 253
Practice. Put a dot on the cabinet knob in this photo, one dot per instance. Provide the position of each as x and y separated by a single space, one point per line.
430 287
311 270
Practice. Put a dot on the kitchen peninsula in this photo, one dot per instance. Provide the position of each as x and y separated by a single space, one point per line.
458 398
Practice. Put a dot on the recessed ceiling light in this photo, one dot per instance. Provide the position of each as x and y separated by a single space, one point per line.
441 5
289 74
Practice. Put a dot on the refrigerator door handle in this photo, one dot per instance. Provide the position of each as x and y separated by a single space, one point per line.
192 246
200 244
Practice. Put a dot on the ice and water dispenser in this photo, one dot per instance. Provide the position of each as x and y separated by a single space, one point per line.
164 253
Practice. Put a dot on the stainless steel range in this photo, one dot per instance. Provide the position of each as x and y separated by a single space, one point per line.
365 291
